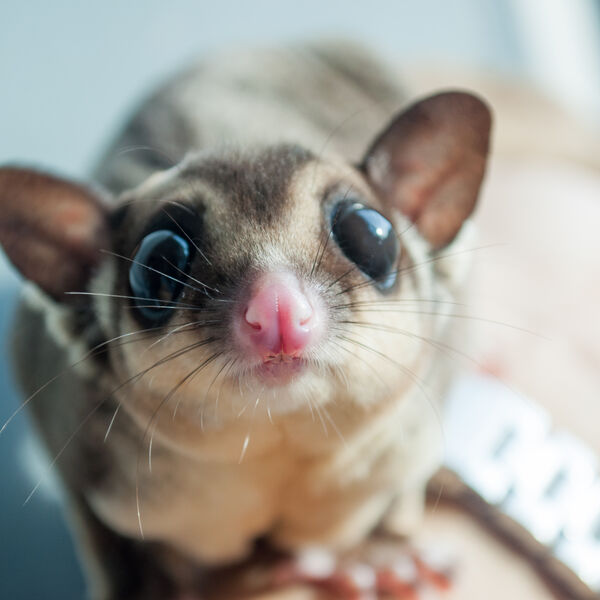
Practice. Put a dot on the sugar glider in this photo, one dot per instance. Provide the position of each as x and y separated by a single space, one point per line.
234 328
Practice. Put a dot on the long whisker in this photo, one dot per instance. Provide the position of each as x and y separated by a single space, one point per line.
223 367
190 240
167 303
164 360
57 456
404 369
454 316
334 426
95 351
137 262
112 422
399 301
436 344
189 377
350 270
204 285
148 427
324 239
118 408
318 411
182 308
369 365
178 329
158 363
321 251
224 378
97 406
412 268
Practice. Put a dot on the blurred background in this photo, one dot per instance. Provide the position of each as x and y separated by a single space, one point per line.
70 71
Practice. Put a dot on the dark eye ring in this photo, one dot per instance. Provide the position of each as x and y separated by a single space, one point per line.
157 274
368 239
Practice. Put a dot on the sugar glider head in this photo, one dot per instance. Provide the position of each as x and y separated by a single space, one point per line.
265 277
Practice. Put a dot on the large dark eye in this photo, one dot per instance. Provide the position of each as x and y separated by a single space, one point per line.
158 272
368 239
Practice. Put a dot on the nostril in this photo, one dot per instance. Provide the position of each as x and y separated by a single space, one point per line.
300 310
306 320
254 324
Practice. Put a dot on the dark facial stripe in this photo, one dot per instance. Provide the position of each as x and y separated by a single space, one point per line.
256 185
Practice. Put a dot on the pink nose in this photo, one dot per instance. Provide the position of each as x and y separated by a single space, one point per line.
279 318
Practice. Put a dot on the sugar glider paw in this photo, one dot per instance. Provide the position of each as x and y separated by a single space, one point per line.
379 570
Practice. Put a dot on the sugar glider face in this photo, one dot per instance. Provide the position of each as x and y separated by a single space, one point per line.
249 262
267 279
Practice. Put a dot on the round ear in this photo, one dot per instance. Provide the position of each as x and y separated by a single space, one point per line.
430 161
51 229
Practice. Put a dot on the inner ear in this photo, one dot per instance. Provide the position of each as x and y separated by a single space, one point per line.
51 229
430 161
